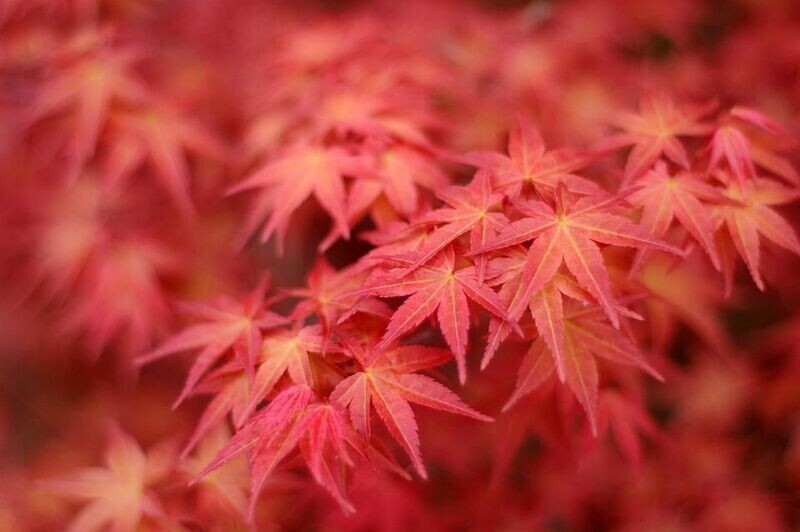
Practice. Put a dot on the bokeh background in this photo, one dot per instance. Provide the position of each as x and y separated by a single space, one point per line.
98 242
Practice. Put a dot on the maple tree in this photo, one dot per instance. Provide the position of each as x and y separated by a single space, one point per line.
336 212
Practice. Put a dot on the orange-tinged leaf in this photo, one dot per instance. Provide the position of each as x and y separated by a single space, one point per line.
577 332
609 344
398 171
283 352
666 197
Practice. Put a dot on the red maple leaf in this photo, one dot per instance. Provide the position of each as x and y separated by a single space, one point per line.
87 87
568 234
655 131
296 417
329 296
581 334
379 114
120 297
664 197
387 382
286 181
626 416
751 216
282 352
473 210
401 170
436 287
161 137
229 323
528 163
736 144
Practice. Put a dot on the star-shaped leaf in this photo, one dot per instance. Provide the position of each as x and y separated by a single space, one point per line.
228 323
436 287
529 164
388 382
286 181
656 131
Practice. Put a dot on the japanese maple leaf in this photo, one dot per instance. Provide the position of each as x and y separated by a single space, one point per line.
400 170
763 154
120 298
283 352
375 114
119 496
389 179
762 121
546 308
161 137
732 145
752 216
584 335
296 417
655 131
69 229
436 287
664 197
286 181
228 323
568 234
88 87
319 43
472 210
528 163
326 295
387 382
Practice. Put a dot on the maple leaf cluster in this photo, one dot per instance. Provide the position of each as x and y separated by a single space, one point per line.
381 266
